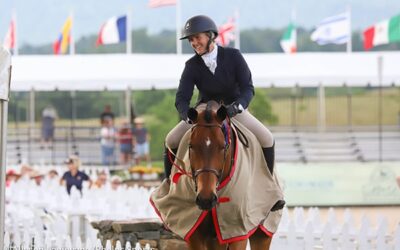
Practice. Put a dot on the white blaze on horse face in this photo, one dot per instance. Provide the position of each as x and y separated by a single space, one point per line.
208 142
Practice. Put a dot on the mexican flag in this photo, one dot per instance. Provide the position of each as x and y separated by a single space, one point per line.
288 42
387 31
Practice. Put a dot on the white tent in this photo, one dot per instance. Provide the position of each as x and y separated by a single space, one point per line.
162 71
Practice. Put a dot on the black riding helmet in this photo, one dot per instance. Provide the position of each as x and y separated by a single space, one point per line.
200 24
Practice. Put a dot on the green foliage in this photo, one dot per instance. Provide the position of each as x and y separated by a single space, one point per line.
160 119
261 108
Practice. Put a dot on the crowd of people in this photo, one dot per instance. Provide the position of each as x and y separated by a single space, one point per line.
129 140
133 140
72 177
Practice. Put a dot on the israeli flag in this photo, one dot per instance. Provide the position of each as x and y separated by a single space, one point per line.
334 29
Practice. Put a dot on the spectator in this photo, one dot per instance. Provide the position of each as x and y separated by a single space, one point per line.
52 174
125 141
107 113
11 177
101 180
74 177
37 177
141 142
116 182
49 115
108 135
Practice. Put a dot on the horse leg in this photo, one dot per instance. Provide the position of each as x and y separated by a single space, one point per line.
196 242
214 245
259 240
238 245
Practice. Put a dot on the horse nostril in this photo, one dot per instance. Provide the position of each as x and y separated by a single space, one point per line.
206 204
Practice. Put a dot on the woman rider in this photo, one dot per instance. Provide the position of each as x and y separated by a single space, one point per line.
220 74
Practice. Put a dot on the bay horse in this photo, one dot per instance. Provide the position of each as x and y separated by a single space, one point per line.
212 147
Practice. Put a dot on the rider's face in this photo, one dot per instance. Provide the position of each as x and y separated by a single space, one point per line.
199 42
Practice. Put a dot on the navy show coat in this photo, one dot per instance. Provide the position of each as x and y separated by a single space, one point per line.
232 81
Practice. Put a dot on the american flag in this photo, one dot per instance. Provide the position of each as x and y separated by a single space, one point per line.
226 32
161 3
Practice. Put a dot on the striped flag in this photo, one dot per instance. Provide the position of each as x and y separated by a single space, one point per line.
60 46
289 39
113 31
10 38
334 29
382 33
161 3
226 32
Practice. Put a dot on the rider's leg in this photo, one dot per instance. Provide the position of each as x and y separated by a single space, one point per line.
263 135
172 142
266 140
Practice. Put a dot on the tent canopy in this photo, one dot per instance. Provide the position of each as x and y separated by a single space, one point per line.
162 71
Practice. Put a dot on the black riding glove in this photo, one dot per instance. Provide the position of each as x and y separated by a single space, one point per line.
234 109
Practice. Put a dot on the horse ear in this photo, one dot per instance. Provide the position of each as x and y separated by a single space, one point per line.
192 114
221 113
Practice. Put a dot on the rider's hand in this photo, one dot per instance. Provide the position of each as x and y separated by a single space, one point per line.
234 109
188 121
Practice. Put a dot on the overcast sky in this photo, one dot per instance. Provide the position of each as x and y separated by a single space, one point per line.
40 21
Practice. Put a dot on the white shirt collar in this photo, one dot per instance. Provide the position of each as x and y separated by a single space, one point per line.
210 59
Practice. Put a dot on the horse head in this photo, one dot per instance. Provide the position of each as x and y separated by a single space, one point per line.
209 152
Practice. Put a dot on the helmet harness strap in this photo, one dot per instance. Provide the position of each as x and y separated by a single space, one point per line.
211 37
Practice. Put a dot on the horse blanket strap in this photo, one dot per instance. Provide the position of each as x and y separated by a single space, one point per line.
181 169
244 203
242 137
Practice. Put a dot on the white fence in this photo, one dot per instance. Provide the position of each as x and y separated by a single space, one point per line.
45 217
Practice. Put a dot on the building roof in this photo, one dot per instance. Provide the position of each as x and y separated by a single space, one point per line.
162 71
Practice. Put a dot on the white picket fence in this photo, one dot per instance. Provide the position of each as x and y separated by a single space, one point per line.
46 217
309 232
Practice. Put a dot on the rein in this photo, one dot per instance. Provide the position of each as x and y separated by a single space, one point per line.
227 138
194 173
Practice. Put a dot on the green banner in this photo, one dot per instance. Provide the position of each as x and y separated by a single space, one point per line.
340 184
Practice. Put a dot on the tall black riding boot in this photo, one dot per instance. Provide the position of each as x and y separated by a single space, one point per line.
269 155
168 162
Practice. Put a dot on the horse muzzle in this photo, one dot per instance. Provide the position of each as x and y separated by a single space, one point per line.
208 203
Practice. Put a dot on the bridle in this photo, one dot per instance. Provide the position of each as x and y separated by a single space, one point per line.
217 173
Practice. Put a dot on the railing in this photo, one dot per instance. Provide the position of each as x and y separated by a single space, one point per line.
291 146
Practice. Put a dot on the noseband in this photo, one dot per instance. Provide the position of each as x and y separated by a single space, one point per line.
217 173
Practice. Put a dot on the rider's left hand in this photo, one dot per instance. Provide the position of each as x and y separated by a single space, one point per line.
234 109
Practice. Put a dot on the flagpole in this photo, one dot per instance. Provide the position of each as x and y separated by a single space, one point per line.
349 42
237 29
128 31
72 37
178 27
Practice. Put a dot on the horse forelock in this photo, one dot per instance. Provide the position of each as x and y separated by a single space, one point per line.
209 109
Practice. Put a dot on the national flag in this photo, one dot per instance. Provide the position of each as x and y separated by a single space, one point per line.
113 31
334 29
226 33
161 3
10 38
289 39
384 32
60 46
